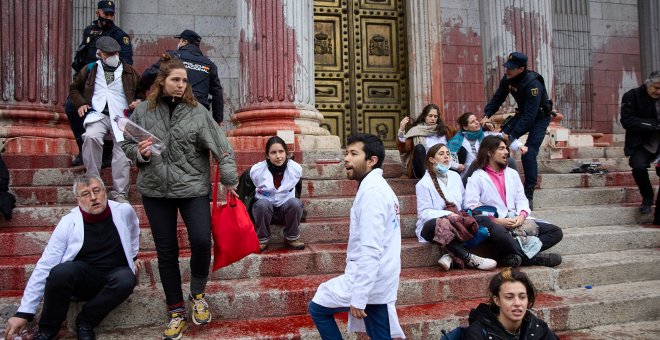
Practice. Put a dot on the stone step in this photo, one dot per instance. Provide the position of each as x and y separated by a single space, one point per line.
281 296
551 198
565 311
564 166
314 259
629 330
593 215
623 178
589 240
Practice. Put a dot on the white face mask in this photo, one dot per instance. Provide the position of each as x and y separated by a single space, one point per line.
112 61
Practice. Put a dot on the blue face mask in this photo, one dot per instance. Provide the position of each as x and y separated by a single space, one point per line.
441 168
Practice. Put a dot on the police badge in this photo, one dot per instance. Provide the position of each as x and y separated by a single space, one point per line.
126 41
535 91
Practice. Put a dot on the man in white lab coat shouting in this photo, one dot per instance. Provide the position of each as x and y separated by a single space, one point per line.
370 281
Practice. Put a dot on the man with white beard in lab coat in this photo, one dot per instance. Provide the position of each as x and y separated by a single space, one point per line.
368 287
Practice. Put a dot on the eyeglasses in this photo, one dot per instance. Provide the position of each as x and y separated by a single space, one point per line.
87 194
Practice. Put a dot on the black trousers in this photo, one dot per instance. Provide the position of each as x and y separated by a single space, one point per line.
504 244
104 291
418 155
640 161
455 247
196 214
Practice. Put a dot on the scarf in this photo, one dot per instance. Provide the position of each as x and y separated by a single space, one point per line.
91 218
277 170
456 142
419 133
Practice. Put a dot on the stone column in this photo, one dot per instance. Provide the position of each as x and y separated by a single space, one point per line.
276 82
423 19
649 35
516 25
35 71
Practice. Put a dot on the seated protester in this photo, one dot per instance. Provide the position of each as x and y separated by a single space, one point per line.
101 92
439 196
92 255
507 316
465 144
275 181
428 131
494 184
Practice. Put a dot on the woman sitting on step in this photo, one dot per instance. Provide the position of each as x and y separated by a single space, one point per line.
428 131
439 198
465 144
275 180
507 316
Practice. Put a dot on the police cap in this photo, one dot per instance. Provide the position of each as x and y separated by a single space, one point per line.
515 60
106 6
107 44
191 36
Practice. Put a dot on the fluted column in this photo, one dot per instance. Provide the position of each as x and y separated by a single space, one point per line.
649 35
276 82
516 25
35 54
423 19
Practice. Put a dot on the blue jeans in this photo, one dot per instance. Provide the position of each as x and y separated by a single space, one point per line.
534 139
377 321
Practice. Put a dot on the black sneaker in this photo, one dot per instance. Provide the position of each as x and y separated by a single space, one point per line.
546 260
44 336
77 161
85 332
511 260
645 208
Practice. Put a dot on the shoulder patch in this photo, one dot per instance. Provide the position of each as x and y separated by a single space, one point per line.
535 91
126 40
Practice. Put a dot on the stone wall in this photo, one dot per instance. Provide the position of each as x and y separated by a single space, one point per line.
153 23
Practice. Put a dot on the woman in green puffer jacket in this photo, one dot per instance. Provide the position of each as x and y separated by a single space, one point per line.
177 179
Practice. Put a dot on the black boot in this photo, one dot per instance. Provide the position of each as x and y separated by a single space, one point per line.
107 154
78 161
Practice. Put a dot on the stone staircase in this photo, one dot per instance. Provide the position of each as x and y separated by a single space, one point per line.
265 296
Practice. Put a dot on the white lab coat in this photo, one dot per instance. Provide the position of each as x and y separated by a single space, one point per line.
429 203
265 188
67 240
112 94
470 156
373 257
480 190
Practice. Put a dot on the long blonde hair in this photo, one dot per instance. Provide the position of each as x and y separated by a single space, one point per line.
167 65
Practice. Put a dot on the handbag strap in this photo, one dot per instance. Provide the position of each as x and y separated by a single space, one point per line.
215 185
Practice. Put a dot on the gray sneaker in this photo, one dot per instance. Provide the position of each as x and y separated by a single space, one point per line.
121 198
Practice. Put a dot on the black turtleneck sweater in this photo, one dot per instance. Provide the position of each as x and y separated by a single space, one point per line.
102 248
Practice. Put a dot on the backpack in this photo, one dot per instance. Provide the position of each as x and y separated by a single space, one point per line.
456 333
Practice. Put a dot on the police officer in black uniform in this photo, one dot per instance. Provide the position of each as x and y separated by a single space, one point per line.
533 113
202 73
86 53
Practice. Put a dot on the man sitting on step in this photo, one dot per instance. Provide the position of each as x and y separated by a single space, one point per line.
91 255
102 91
494 184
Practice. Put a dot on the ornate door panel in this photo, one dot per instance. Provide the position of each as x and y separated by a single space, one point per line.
360 66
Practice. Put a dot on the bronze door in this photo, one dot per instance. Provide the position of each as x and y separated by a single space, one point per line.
360 66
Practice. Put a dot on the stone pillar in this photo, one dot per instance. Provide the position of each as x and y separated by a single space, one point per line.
649 35
423 19
35 71
516 25
276 82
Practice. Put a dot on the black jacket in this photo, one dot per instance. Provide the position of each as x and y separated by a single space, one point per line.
639 117
529 91
484 318
202 76
86 52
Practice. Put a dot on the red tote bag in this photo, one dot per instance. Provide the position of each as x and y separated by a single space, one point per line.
233 231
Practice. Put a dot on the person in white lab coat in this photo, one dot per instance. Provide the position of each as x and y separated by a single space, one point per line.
439 199
368 287
494 184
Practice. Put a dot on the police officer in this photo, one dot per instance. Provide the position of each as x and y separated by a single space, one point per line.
533 112
86 53
202 73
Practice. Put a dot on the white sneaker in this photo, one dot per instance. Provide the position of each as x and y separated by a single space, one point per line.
482 263
445 262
